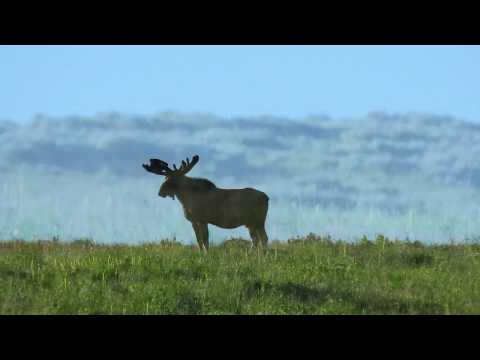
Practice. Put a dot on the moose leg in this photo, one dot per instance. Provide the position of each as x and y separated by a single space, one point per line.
262 234
198 234
254 236
204 232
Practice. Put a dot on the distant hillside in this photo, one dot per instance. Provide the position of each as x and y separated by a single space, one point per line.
376 159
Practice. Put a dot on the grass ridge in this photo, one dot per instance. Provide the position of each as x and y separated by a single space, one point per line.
303 275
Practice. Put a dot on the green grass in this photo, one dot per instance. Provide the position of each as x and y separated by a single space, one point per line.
310 275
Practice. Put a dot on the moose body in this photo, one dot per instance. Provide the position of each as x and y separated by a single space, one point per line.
203 203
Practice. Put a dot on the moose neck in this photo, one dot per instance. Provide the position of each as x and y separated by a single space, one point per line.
189 189
183 190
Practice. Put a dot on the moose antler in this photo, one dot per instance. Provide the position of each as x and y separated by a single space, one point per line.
160 167
187 166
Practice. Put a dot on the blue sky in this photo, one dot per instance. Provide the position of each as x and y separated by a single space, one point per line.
291 81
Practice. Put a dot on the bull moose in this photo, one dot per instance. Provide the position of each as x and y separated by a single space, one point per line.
203 203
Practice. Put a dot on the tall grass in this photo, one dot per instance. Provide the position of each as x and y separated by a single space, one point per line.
309 275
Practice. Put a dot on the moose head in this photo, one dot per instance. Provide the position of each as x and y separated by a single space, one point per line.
173 178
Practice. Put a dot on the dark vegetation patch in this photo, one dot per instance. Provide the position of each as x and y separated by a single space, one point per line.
270 143
122 157
399 152
399 167
236 243
469 175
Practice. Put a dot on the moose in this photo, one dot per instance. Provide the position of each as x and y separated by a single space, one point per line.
203 203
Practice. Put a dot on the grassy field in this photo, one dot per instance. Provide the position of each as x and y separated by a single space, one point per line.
310 275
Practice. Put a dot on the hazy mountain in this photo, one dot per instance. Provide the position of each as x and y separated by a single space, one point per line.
318 154
392 162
